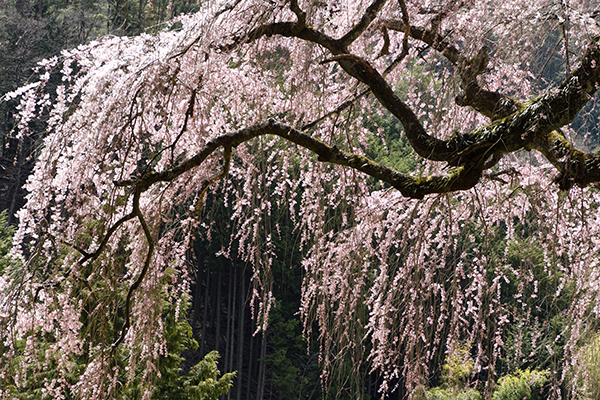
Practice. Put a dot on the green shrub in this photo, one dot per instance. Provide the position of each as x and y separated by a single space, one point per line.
203 382
521 385
446 394
459 366
457 369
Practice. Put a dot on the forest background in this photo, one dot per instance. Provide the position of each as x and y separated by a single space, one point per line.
279 363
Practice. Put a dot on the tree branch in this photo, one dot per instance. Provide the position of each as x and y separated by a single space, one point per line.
365 92
493 105
301 15
424 144
288 29
368 17
575 166
460 178
536 127
142 275
337 110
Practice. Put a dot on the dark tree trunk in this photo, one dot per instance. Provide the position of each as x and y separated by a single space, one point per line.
250 365
232 318
241 335
218 310
261 371
140 17
205 311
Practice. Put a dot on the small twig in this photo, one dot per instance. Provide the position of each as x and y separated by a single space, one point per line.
337 110
406 21
188 114
495 176
207 183
138 281
567 59
339 57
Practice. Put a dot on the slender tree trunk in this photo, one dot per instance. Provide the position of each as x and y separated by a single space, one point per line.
140 17
250 364
232 318
218 310
228 334
197 295
241 335
261 374
205 312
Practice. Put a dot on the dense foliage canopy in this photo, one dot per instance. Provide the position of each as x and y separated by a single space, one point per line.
270 105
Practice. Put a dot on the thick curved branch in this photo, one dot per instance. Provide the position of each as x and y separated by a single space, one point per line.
406 21
289 29
368 17
493 105
415 187
424 144
575 166
301 15
365 92
537 127
300 30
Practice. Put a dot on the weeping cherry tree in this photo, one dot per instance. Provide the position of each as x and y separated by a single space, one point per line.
271 104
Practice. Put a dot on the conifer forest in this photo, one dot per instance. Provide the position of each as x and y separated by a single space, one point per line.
300 199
